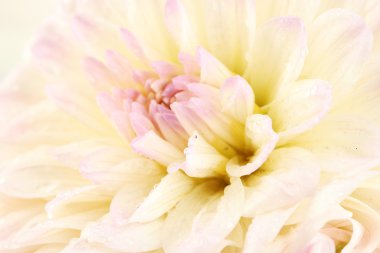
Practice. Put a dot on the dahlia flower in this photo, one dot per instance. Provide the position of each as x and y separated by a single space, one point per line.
195 126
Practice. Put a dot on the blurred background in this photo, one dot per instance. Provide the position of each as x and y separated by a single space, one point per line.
19 20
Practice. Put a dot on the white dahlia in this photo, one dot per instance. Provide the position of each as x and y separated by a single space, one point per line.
195 126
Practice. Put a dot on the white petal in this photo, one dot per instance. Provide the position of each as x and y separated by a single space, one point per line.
301 107
277 57
78 200
320 244
304 9
82 246
370 220
275 186
337 54
237 98
213 72
229 27
364 98
146 20
203 219
261 139
263 230
132 237
184 26
127 200
163 197
343 143
202 159
119 174
156 148
36 175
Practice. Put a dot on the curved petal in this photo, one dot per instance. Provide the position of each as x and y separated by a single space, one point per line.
337 54
281 44
275 186
237 98
370 220
203 219
300 108
163 197
202 159
305 9
229 28
154 147
343 143
131 237
261 139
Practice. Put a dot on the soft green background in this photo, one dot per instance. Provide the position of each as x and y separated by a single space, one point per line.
19 20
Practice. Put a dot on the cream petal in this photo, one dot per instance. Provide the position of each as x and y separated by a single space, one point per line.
99 75
78 200
281 44
163 197
192 122
43 121
203 219
36 175
343 143
365 95
213 72
337 54
264 229
79 106
369 240
154 147
261 139
146 21
118 174
96 36
301 107
237 98
127 200
304 9
188 33
274 187
320 244
202 159
221 125
82 246
229 28
131 237
72 154
300 236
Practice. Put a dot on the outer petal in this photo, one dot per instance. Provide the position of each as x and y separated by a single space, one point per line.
213 72
229 27
267 9
343 143
275 187
36 175
364 98
281 45
237 98
146 20
301 107
163 197
370 220
263 230
337 54
201 223
131 237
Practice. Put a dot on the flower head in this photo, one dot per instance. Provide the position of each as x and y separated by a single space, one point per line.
195 126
